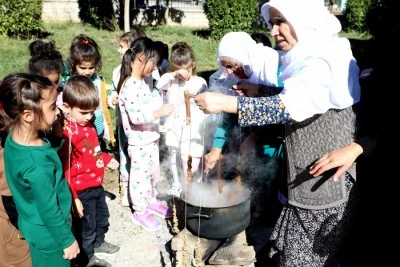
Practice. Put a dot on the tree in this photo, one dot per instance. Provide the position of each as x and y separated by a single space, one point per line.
127 19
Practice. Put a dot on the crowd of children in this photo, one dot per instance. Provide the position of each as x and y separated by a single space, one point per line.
63 130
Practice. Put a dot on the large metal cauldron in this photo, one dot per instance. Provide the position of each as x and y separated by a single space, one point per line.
214 215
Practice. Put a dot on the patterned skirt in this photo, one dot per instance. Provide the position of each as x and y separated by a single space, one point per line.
305 237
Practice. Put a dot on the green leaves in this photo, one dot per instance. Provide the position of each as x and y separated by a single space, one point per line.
230 15
20 19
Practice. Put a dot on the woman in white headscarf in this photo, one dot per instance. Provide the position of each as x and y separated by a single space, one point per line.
320 77
240 58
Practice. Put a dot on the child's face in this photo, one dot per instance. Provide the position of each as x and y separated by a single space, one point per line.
53 76
123 46
186 71
81 116
86 68
49 108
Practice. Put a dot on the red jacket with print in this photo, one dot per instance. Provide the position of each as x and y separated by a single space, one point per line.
84 166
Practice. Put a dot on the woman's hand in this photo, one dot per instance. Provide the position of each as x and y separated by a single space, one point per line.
341 158
246 88
211 158
211 102
72 251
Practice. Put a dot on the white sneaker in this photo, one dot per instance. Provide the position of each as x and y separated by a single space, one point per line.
175 190
125 199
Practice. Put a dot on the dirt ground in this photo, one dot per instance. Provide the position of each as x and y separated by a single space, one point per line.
138 247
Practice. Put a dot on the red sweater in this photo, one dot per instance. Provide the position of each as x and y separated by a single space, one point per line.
85 167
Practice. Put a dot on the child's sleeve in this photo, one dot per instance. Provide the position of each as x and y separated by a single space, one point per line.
106 158
165 81
42 181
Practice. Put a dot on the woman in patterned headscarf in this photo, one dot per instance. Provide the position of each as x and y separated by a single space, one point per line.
320 88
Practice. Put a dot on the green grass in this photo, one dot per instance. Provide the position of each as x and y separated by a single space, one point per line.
14 54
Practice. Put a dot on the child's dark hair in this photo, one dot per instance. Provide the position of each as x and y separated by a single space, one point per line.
45 58
181 54
84 48
19 92
163 51
141 45
261 38
135 32
79 91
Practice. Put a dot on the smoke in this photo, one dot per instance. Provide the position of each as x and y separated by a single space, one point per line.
259 170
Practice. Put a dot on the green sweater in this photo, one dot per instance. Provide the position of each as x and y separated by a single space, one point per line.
41 193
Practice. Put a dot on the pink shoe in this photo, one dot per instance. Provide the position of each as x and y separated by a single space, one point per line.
160 209
146 220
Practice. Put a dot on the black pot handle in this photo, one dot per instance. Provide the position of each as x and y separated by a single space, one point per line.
201 216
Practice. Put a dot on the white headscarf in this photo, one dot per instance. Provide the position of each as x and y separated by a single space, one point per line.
260 62
319 72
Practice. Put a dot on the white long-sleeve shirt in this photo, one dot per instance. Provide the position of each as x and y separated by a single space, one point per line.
189 138
137 103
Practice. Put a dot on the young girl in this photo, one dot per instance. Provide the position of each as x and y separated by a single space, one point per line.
125 42
85 59
33 169
187 140
45 60
140 109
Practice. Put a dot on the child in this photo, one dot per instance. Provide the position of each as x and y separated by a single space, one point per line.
183 140
84 164
125 42
45 60
140 108
85 59
33 169
13 248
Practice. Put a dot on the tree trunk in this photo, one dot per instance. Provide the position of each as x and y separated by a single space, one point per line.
127 19
166 12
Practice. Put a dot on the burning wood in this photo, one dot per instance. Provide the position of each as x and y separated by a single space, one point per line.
175 220
238 176
220 172
198 251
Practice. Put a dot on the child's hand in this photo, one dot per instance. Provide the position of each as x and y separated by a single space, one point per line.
113 164
78 208
114 100
72 251
165 110
182 74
